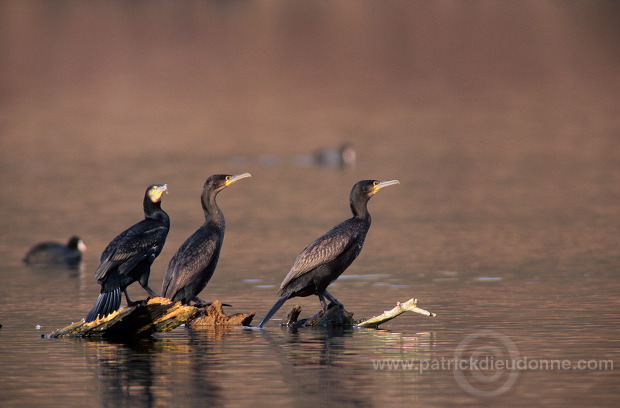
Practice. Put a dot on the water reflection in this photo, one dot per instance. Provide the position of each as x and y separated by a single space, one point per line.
330 365
311 364
125 372
301 367
149 372
203 365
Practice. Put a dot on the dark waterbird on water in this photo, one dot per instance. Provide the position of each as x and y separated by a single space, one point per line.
343 156
324 260
192 266
55 253
129 256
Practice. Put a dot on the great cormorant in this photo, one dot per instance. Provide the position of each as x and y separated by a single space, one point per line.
324 260
55 253
192 266
129 256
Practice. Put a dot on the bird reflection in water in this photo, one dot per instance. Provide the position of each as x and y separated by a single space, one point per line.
326 379
153 372
125 373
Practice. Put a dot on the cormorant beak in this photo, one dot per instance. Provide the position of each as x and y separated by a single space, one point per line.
383 184
234 179
157 192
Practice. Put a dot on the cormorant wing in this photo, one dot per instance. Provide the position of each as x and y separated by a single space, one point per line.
322 250
131 246
188 262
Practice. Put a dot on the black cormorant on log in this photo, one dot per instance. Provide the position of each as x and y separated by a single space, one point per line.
129 256
324 260
55 253
192 266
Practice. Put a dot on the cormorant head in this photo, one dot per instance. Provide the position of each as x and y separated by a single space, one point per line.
155 191
218 182
363 190
369 188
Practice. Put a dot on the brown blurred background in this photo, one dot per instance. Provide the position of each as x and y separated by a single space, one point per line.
458 99
230 77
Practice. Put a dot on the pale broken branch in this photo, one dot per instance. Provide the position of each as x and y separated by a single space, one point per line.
408 306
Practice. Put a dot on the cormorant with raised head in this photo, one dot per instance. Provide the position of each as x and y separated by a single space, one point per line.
192 266
55 253
324 260
129 256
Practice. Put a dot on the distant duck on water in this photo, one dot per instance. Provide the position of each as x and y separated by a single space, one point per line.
55 253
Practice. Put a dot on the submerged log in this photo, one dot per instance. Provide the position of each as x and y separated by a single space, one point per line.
155 315
336 315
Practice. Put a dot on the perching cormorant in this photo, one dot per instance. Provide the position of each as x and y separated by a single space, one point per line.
192 266
129 256
324 260
55 253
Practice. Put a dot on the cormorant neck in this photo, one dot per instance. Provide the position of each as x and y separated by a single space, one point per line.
153 211
150 208
211 210
359 207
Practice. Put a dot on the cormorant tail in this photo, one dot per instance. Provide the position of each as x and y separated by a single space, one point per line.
273 310
107 302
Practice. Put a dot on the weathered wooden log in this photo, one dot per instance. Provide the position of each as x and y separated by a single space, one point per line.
336 315
215 316
292 316
155 315
160 315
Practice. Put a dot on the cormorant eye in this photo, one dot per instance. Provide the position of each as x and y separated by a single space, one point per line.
375 183
228 178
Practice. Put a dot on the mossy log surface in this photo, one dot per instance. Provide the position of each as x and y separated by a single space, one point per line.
155 315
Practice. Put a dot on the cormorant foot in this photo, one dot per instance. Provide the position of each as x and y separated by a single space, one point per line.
332 304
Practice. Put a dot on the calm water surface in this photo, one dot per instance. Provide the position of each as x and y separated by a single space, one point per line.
505 224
